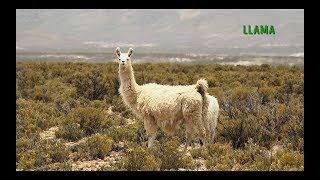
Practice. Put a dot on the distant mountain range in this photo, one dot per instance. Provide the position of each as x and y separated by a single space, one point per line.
189 58
169 31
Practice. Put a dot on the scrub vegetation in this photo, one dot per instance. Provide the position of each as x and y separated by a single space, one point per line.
69 116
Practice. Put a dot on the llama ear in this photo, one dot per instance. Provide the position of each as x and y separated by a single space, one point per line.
130 52
118 52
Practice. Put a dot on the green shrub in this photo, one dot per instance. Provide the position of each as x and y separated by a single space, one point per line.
24 144
34 116
260 163
89 83
171 157
27 77
266 94
288 161
118 105
221 157
63 166
54 90
223 163
140 158
90 119
123 133
71 132
253 157
96 146
200 153
113 120
110 168
219 149
127 114
44 153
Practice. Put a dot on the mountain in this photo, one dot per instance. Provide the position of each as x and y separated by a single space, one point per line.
179 31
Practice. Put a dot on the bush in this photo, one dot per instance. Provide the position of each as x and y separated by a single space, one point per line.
140 158
63 95
64 166
223 163
90 119
34 116
167 151
27 77
24 144
71 132
129 132
199 153
118 105
288 161
253 157
221 157
219 149
44 153
96 146
261 163
89 84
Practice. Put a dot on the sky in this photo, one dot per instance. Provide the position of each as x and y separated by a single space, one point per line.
158 30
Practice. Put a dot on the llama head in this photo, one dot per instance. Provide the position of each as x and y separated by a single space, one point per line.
124 58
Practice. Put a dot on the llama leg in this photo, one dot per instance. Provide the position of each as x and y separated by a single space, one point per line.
192 113
151 139
212 136
198 124
151 130
190 132
188 139
202 135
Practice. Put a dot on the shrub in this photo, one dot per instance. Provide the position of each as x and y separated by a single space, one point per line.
23 145
253 157
223 163
171 157
96 146
266 94
63 166
127 114
89 84
44 153
62 94
260 163
113 120
90 119
33 116
140 158
221 157
70 131
123 133
199 153
288 161
118 105
219 149
27 78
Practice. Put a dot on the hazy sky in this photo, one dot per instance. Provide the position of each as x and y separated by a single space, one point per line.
165 30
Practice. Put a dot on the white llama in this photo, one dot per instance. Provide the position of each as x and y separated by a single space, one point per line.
168 107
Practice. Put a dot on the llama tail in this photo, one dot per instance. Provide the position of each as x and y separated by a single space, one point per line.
202 88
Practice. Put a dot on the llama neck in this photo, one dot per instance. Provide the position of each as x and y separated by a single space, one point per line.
128 86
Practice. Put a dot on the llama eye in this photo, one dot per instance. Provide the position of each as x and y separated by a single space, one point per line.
119 59
127 59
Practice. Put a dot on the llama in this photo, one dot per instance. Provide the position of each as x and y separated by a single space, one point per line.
166 108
